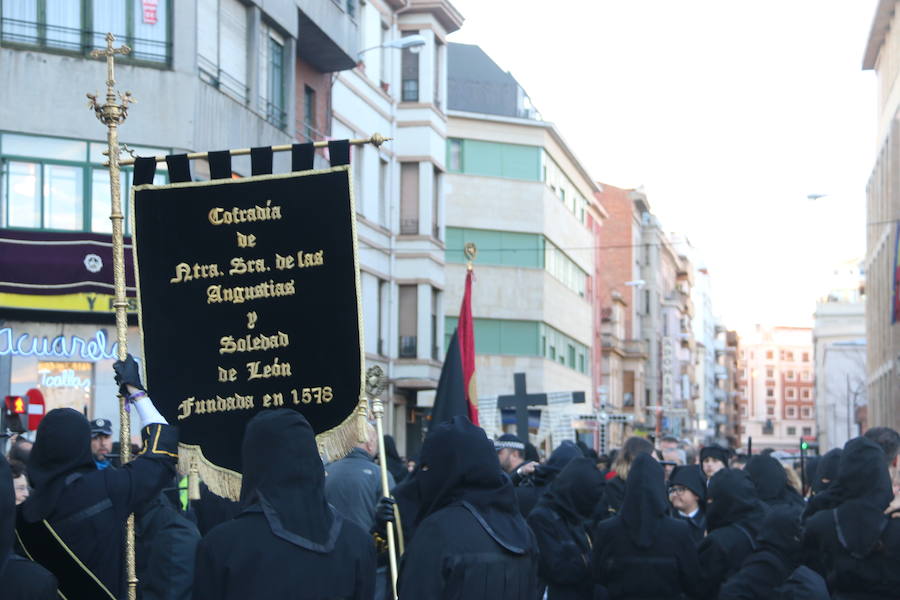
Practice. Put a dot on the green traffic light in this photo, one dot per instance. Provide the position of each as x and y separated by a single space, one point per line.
804 445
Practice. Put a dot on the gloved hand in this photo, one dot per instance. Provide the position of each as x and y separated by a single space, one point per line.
384 514
127 373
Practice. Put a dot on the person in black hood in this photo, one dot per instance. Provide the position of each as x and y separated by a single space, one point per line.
733 516
558 522
287 538
75 505
641 553
530 490
687 493
771 482
471 542
827 469
165 548
614 491
855 546
395 464
777 554
19 577
824 495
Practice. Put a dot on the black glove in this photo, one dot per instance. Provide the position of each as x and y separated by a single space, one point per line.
384 514
127 373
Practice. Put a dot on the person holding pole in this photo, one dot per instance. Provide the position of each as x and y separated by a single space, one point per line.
74 521
471 541
287 542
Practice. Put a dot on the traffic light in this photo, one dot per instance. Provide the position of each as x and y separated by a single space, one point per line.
804 445
15 414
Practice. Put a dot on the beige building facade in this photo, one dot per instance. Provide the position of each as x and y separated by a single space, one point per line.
777 392
882 54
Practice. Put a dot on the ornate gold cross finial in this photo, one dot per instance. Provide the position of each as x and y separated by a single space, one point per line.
111 113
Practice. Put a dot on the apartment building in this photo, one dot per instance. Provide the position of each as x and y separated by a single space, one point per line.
882 54
208 75
398 88
516 190
777 403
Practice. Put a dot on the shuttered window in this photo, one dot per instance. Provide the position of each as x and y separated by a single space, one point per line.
409 198
222 45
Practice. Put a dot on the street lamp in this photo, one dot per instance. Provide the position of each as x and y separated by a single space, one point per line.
636 283
413 43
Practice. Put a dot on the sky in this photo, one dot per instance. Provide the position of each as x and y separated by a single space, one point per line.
729 113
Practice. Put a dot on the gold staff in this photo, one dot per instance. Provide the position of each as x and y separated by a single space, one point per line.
112 114
375 384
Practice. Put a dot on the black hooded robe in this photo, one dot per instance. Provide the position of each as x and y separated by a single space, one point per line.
530 490
733 516
471 542
287 542
558 523
855 546
20 578
641 553
771 482
89 508
777 556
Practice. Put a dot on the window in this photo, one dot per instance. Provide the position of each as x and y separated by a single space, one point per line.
409 320
571 356
222 46
743 410
435 349
383 191
436 74
384 291
309 114
791 393
770 411
806 357
436 205
807 431
792 431
59 184
807 376
351 8
80 26
409 198
769 355
791 412
271 77
494 159
806 412
805 394
770 373
790 375
564 268
454 155
409 72
770 392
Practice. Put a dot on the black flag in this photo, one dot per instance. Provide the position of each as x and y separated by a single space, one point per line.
450 398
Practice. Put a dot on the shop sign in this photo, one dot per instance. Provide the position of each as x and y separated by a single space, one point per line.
94 348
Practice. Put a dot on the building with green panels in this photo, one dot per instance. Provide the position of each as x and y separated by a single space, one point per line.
516 191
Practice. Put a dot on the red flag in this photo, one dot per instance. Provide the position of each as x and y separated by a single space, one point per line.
466 332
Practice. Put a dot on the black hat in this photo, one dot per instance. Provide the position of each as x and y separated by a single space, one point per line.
691 477
101 426
717 452
508 440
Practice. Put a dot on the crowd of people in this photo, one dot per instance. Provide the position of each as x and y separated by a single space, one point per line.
473 518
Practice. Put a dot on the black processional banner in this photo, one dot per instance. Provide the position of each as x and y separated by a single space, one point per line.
249 301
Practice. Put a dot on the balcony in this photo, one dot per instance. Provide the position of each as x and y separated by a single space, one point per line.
328 36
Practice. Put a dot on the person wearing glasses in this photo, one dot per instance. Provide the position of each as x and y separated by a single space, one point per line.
687 495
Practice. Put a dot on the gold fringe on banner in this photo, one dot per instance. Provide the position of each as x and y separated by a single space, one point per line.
333 444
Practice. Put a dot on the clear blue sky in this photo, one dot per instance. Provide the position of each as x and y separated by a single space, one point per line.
728 112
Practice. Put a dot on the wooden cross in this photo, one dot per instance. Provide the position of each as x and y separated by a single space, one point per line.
521 400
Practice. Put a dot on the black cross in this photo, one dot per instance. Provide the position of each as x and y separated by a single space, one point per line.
521 400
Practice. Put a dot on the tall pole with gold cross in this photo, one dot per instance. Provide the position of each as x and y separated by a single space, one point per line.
113 113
